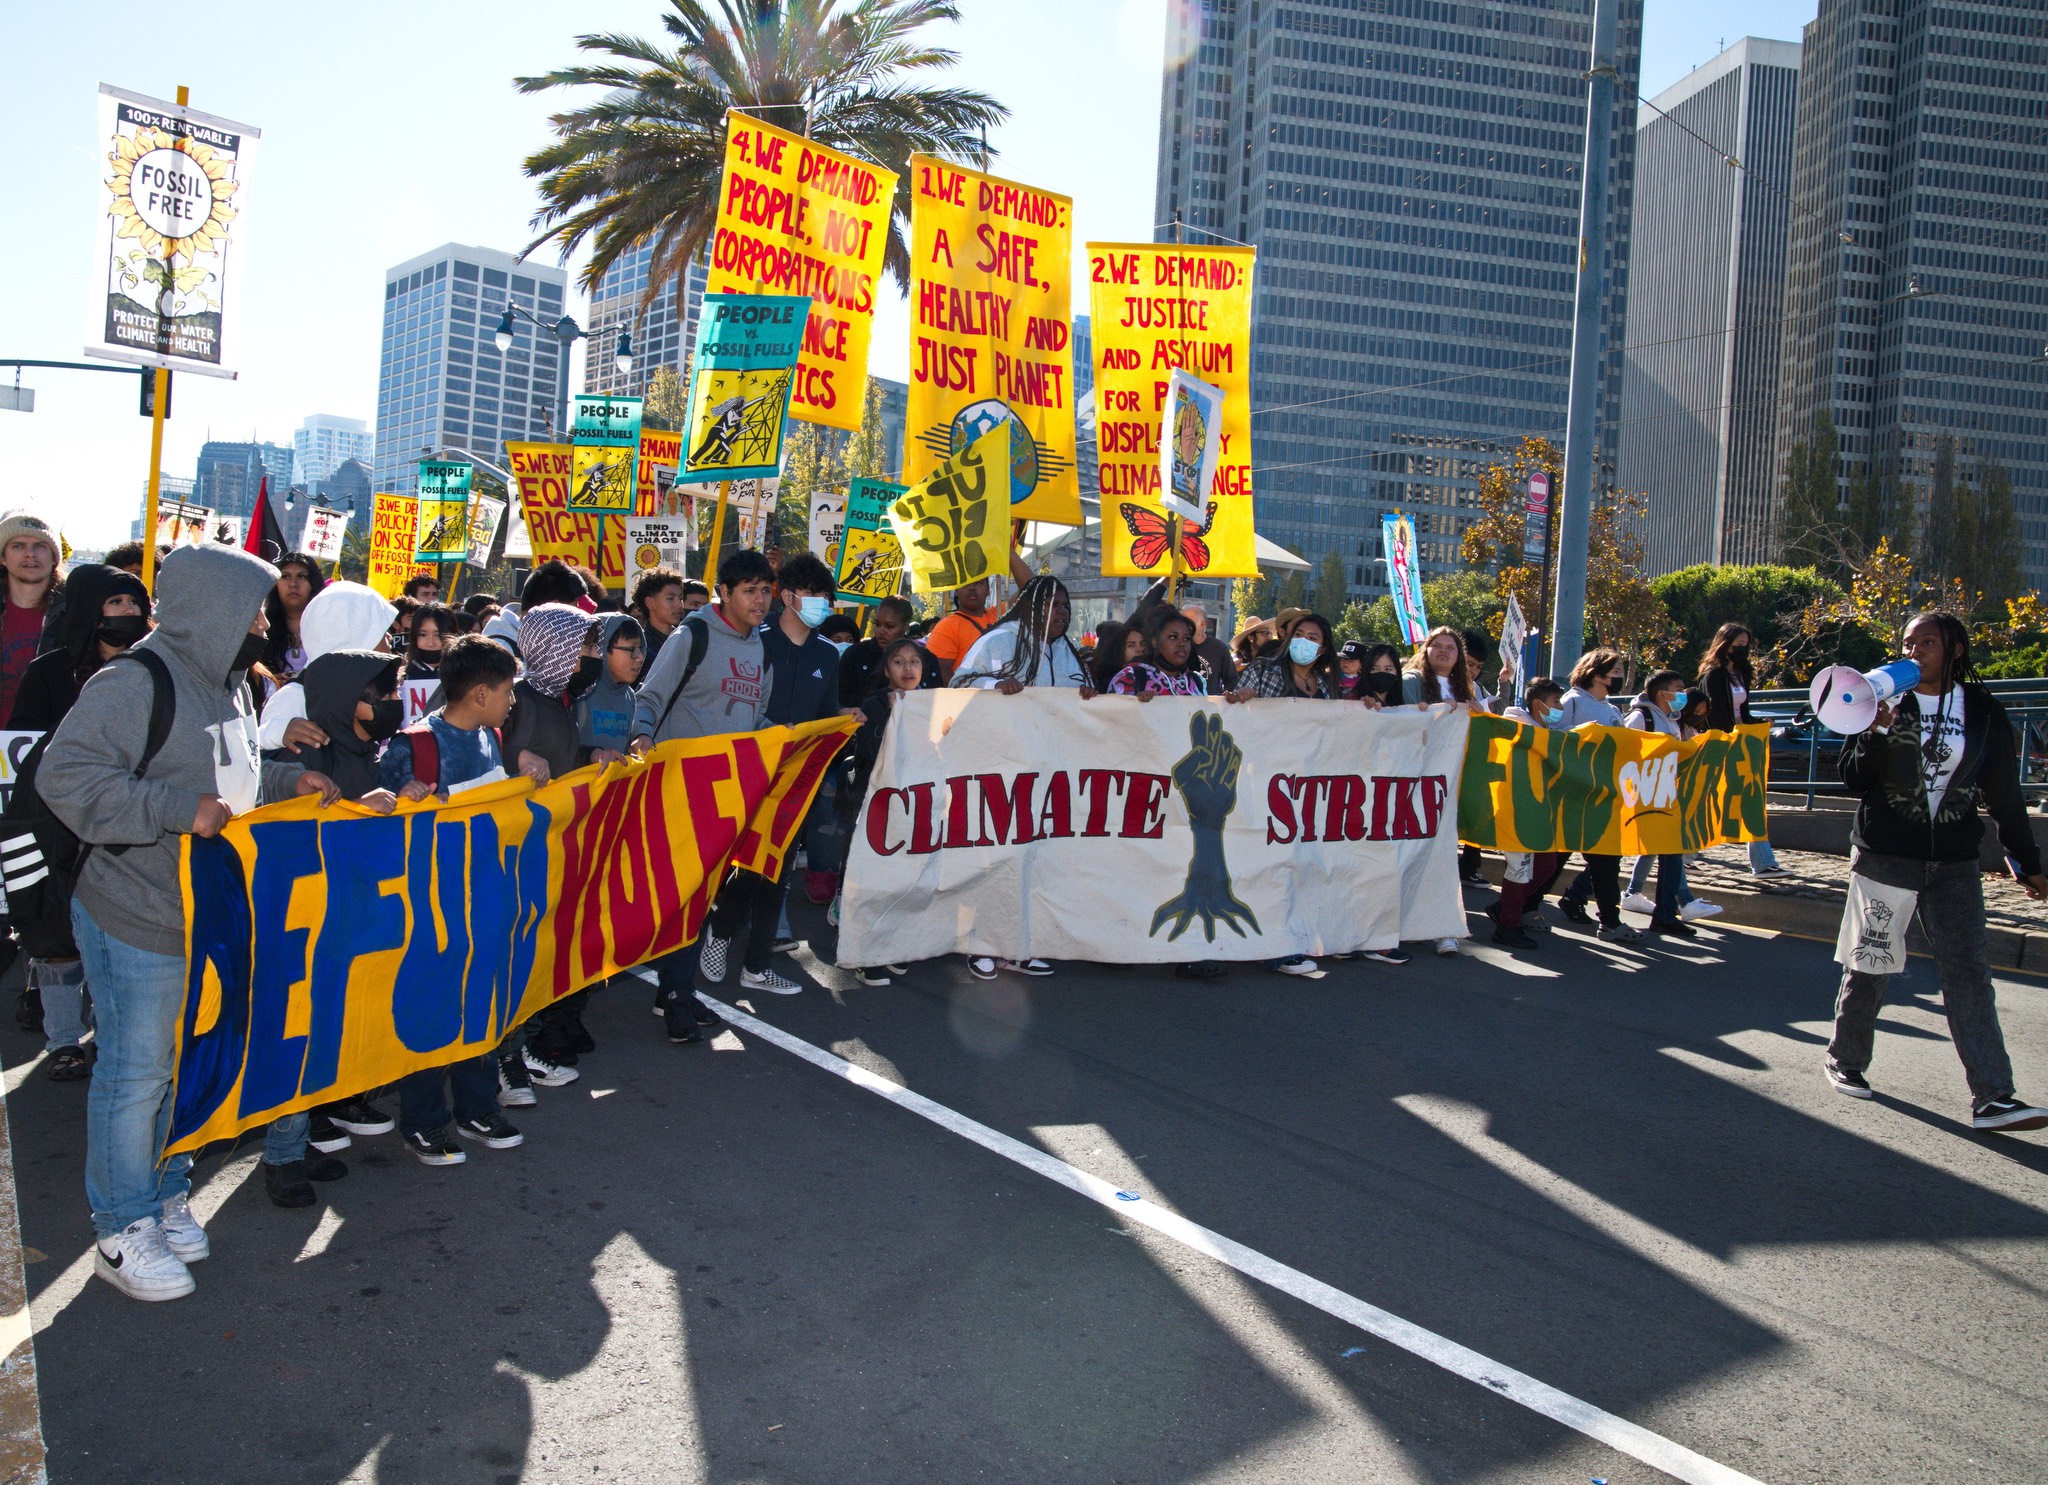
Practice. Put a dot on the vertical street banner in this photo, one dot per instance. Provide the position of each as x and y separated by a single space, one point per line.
1158 309
322 536
443 530
1404 576
1536 519
740 380
394 521
797 218
870 558
605 433
173 217
992 331
553 531
954 526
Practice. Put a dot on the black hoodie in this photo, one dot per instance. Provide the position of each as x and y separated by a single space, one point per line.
334 684
51 684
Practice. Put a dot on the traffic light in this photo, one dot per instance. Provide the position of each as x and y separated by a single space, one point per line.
147 405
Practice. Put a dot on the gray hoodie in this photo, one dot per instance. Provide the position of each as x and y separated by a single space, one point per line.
728 692
206 598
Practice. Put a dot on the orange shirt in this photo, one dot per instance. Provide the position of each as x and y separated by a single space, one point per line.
954 635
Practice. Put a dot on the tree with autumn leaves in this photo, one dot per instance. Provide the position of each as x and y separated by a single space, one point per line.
1623 612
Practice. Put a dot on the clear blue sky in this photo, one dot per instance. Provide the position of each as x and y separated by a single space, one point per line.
390 128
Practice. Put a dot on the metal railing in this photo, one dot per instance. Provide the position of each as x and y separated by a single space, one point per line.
2025 701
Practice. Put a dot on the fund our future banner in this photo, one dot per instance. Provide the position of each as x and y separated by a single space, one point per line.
991 331
797 218
1158 308
331 951
1612 790
173 211
1153 832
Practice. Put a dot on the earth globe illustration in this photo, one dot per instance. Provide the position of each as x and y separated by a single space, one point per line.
978 418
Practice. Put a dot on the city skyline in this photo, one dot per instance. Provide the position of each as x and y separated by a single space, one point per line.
315 271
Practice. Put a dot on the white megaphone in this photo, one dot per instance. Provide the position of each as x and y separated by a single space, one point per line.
1846 700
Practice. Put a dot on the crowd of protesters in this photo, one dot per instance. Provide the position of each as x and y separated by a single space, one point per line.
255 682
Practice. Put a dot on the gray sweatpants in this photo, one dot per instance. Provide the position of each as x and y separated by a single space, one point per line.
1952 914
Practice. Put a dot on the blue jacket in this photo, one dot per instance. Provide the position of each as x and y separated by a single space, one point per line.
803 679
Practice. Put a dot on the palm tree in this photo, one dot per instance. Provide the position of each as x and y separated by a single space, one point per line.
642 164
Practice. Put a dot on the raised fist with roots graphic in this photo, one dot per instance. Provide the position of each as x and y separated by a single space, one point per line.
1207 780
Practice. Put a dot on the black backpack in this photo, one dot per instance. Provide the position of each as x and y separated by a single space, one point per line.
40 858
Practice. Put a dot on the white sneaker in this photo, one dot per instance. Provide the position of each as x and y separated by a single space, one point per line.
982 966
1447 947
1640 902
1699 907
1027 966
770 981
138 1262
547 1074
711 961
182 1233
1296 964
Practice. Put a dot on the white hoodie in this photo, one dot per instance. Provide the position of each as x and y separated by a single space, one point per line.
342 616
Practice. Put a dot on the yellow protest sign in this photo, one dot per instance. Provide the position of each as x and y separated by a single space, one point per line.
661 450
543 472
797 218
1611 790
991 331
334 950
1158 307
394 521
954 526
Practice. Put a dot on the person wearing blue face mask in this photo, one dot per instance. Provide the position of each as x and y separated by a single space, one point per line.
1303 667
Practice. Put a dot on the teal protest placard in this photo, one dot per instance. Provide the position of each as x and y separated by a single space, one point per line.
740 381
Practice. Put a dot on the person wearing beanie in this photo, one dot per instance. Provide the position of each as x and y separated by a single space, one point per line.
31 599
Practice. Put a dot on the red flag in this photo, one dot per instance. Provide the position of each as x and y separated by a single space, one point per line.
266 537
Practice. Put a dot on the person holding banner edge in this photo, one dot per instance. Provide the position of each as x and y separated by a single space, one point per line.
1600 878
1919 773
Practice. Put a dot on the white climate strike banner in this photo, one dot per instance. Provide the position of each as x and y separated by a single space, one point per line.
173 214
1131 832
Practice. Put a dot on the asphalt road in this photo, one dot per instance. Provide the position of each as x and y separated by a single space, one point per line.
1618 1172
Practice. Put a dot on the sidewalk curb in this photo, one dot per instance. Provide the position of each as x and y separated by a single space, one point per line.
22 1457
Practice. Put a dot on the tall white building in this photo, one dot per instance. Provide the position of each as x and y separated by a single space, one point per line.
442 382
660 336
323 442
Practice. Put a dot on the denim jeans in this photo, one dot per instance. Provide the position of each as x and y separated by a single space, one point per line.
423 1100
138 997
1639 877
1762 857
61 985
285 1140
1952 914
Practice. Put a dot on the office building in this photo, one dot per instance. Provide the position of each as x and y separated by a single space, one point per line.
169 487
660 337
1699 403
1915 310
323 442
442 382
1410 178
230 474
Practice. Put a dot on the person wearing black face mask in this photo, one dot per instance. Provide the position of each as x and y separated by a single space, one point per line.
1380 683
1726 680
432 627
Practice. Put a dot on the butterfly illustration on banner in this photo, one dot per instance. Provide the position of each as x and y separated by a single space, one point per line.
1151 530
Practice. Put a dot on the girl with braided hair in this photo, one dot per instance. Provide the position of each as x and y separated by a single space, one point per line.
1920 772
1028 646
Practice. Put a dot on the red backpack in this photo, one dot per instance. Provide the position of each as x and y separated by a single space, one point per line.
426 751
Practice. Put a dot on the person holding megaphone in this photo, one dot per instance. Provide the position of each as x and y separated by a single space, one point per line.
1919 771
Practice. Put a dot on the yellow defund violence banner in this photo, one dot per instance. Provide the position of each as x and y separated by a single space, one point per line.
797 218
991 331
1158 307
1611 790
330 951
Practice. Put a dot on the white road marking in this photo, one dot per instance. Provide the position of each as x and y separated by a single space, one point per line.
322 1236
1618 1433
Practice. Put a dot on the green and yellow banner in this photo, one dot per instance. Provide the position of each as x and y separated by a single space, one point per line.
330 951
1610 790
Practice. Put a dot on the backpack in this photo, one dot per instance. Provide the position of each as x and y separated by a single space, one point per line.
426 751
700 642
40 856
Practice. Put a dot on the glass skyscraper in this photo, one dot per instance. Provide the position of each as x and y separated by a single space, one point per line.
442 382
1699 401
1915 306
1409 172
661 338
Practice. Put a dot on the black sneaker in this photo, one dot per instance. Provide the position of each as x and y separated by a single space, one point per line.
1576 911
1673 927
435 1147
2007 1113
287 1185
1515 938
1201 969
682 1025
325 1136
1847 1080
493 1132
359 1116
